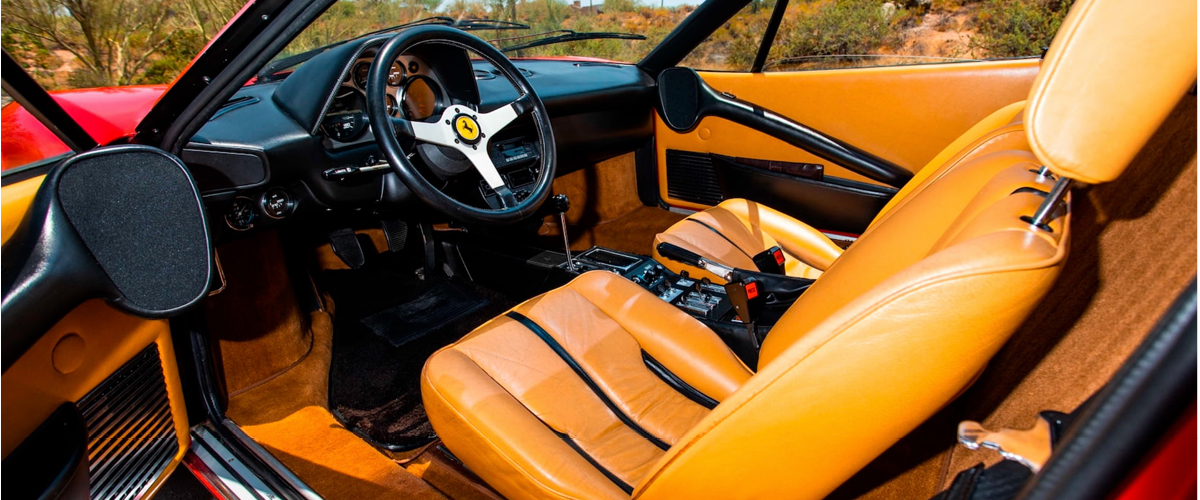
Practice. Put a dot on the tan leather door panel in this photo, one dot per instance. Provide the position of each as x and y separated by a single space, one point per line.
905 114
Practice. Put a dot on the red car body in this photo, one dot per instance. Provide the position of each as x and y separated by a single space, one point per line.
108 114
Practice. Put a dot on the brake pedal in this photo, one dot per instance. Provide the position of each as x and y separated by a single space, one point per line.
346 246
396 232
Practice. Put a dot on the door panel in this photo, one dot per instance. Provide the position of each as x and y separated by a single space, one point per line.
905 114
133 417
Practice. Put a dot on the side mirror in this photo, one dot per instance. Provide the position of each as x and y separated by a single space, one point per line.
123 223
684 98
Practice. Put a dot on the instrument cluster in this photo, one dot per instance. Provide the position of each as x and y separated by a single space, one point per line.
412 93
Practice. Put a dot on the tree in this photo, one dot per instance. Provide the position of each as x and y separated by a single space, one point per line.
113 40
208 16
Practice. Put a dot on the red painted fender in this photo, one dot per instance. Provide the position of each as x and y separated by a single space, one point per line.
108 114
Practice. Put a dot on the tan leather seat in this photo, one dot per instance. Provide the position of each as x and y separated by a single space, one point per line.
600 390
734 231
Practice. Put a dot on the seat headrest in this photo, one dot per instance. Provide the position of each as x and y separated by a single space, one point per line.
1114 72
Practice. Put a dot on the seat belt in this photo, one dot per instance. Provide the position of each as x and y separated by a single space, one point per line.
767 261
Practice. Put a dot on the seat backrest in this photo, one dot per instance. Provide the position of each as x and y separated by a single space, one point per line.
908 317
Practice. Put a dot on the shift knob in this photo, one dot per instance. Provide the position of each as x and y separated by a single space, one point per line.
559 203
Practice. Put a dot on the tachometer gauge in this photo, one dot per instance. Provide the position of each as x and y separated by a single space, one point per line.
396 75
360 74
393 107
420 98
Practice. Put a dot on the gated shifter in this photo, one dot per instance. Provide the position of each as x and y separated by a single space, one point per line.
559 203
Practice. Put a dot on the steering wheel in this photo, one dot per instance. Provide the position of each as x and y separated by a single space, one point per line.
461 127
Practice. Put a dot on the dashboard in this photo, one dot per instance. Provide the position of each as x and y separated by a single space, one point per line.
300 145
412 93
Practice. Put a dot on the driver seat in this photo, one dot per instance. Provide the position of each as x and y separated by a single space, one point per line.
599 389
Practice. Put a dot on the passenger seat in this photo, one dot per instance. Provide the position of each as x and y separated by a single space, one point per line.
737 230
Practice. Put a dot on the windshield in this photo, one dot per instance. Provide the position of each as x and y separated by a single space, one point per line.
615 30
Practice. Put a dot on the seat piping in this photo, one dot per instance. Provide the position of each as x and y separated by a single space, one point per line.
626 487
566 357
718 233
677 383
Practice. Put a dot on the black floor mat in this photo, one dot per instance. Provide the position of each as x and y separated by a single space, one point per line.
385 325
445 302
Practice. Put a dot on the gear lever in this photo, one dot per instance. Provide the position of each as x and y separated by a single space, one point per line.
559 203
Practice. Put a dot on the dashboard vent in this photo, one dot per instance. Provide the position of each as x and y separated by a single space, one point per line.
131 434
691 177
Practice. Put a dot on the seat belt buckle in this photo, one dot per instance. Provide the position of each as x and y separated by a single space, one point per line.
1030 447
770 260
747 298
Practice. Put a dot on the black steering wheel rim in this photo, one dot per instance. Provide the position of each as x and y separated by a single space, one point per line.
387 127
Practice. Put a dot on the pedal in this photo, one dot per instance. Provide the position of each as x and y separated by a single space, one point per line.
346 246
396 232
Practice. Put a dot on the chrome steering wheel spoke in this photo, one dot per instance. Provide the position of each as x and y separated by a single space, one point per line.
461 128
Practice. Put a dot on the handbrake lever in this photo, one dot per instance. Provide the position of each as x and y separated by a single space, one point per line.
694 259
744 292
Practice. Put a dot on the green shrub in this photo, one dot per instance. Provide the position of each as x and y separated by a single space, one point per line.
1015 28
620 5
839 27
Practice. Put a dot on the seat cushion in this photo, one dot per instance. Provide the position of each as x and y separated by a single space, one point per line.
577 393
733 232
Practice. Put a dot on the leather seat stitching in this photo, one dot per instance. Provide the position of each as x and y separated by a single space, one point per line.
945 169
561 351
898 294
491 444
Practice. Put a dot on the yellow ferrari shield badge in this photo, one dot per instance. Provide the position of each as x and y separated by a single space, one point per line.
467 128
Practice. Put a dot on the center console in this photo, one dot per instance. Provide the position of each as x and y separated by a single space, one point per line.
706 301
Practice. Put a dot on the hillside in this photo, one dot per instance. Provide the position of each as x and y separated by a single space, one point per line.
814 34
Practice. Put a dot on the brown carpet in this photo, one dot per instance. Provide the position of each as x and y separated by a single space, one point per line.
1133 250
605 210
280 357
250 318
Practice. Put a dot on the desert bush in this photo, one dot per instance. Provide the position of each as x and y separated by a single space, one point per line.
150 41
837 27
1014 28
620 5
111 42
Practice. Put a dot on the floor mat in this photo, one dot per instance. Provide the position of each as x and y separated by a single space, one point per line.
445 302
385 325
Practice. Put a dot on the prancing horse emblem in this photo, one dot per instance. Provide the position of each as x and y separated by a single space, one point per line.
467 128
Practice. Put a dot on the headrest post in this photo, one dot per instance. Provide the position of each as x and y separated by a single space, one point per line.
1044 172
1047 207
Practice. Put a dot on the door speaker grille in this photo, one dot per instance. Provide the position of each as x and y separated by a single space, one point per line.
131 434
691 177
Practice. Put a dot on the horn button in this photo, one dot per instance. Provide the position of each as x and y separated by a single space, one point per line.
466 128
